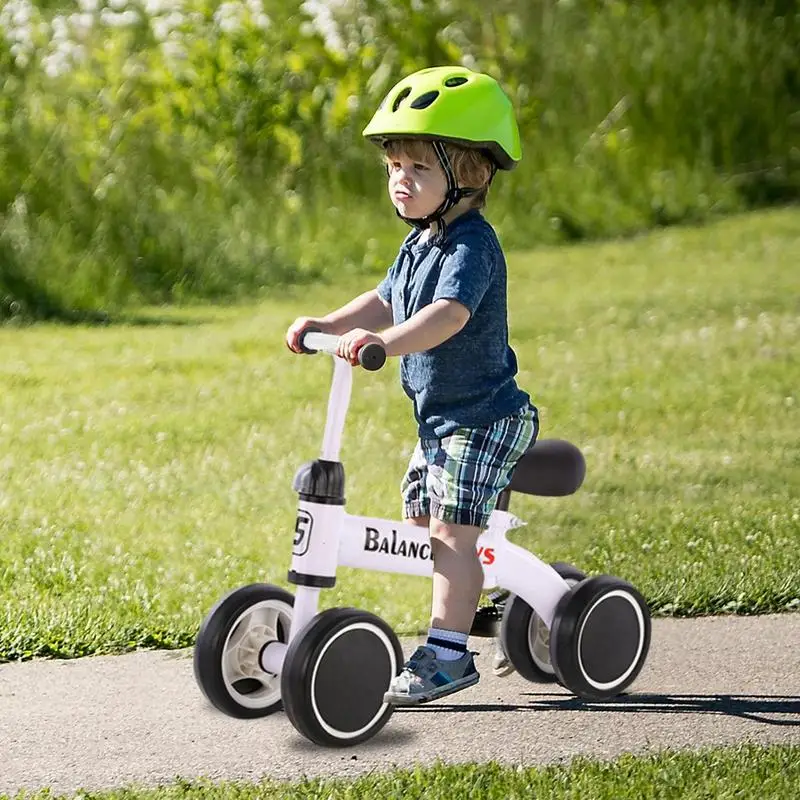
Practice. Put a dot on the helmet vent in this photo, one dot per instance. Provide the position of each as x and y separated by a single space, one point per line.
424 100
400 97
456 80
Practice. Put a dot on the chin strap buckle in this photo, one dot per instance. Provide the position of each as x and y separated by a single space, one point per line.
453 195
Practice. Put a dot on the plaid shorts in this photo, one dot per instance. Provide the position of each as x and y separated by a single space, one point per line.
457 478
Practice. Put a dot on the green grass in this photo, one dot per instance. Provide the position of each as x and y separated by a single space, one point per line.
742 772
146 468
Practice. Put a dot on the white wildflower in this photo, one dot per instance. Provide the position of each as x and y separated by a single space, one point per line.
123 20
81 23
55 64
153 7
60 27
228 17
160 28
22 16
173 50
21 55
324 23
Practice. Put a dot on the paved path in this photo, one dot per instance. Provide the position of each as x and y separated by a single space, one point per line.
139 718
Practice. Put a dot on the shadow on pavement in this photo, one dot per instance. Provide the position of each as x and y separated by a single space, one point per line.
385 738
752 707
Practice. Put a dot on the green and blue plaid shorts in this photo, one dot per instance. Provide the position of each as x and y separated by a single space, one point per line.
458 478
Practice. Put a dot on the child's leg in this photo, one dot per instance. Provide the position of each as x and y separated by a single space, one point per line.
427 674
457 575
457 572
455 480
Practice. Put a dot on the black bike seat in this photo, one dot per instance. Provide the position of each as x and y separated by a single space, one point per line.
551 468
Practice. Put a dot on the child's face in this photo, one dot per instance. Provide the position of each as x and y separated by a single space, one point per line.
416 187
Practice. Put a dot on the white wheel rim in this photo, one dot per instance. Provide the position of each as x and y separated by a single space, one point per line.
634 662
539 638
253 628
357 626
539 644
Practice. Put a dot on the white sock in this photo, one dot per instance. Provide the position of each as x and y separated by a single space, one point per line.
448 645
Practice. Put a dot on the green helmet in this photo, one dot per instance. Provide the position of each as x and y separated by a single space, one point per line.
452 104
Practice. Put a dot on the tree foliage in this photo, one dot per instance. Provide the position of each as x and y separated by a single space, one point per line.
154 152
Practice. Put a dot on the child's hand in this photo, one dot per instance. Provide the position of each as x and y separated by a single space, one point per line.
352 341
298 326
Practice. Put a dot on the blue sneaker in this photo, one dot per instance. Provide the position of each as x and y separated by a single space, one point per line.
425 678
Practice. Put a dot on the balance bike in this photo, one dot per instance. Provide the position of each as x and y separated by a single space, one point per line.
260 647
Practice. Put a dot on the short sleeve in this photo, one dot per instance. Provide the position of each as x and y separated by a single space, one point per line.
467 272
384 288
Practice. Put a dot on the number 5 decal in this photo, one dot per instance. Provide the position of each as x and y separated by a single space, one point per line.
302 532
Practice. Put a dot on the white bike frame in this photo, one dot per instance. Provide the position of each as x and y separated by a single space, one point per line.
327 537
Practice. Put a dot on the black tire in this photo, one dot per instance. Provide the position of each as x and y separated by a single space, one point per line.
335 674
237 685
522 633
600 637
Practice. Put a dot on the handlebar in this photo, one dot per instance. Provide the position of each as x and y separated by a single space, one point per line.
371 356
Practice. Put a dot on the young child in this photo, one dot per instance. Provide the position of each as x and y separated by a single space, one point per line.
442 309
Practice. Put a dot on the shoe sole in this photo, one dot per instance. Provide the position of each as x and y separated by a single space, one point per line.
434 694
504 670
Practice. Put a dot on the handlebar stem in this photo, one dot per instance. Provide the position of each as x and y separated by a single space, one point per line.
338 403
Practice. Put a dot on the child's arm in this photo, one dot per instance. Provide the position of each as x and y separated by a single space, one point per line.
428 328
368 310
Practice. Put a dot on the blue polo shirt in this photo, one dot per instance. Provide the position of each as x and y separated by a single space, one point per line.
467 381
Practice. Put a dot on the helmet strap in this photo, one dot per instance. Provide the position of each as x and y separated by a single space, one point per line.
453 195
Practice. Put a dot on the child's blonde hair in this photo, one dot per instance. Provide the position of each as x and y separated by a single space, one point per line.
471 167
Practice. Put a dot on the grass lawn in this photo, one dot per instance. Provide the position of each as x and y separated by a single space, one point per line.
146 468
742 772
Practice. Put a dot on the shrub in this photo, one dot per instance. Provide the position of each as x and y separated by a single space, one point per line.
154 152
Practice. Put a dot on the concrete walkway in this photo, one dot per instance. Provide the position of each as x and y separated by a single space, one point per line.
140 719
